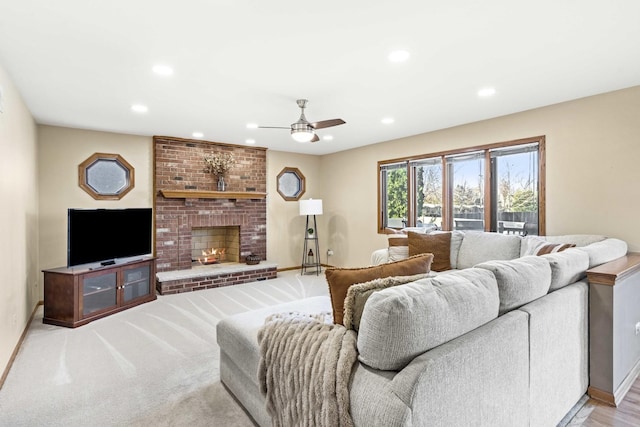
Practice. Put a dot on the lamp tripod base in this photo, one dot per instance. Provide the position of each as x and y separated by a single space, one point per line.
311 251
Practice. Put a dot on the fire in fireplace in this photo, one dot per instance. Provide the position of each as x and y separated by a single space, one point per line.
212 256
213 245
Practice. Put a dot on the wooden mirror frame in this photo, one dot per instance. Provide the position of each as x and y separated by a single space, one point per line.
118 165
285 188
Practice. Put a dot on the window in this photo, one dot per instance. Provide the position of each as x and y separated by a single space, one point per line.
497 187
465 175
427 175
106 176
515 179
291 184
393 179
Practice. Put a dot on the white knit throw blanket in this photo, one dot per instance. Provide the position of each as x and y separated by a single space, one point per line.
305 368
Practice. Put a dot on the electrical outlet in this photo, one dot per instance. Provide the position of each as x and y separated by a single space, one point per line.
638 328
329 252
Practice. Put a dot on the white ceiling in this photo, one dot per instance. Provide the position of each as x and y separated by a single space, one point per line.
82 63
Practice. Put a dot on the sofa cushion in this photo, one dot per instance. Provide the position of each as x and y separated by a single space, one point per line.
520 281
567 267
339 279
478 246
456 241
438 244
401 322
531 244
237 335
358 294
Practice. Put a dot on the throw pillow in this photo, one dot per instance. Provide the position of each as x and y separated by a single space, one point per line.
550 248
389 230
398 247
438 244
358 294
340 279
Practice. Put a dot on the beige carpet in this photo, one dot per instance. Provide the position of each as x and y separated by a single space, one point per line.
155 364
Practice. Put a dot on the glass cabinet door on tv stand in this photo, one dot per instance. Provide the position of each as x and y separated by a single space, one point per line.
99 292
136 283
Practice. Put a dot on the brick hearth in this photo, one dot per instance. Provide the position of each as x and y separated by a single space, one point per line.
179 167
207 277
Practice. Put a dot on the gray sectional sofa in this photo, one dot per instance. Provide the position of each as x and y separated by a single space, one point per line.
499 340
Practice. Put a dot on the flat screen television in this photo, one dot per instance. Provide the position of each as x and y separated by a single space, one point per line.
104 235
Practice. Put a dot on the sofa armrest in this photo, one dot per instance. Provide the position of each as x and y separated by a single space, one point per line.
605 251
380 256
482 375
488 366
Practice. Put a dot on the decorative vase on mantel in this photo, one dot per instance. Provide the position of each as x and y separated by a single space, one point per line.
221 184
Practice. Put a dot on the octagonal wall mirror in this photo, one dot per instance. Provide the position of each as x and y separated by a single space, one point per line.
106 176
291 184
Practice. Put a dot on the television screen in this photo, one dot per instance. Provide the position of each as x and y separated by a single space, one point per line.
103 235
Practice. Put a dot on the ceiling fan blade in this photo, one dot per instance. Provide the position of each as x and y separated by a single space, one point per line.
327 123
315 138
274 127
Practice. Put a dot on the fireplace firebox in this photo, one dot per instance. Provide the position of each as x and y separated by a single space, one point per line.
214 245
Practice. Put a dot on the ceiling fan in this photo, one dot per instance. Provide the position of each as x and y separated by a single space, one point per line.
302 130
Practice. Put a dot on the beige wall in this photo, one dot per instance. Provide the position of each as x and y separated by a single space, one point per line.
593 171
18 218
60 151
285 227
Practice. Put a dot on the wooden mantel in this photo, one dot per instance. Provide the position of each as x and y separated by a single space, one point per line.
201 194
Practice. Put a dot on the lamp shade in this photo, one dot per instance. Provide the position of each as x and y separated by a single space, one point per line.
311 207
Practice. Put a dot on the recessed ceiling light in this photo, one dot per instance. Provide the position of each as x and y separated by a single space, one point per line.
250 141
252 125
398 56
387 120
163 70
487 91
139 108
197 134
328 137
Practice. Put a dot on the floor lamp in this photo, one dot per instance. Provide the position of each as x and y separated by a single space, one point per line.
311 251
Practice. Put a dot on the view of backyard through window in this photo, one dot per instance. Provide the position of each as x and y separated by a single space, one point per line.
468 194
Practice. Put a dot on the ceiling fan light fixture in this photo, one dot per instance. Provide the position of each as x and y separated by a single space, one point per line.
302 132
302 135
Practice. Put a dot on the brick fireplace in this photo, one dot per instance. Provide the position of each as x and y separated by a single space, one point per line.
187 200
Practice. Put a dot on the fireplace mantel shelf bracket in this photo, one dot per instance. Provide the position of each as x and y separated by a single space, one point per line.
200 194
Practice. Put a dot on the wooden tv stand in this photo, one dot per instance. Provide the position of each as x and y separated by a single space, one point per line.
76 296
